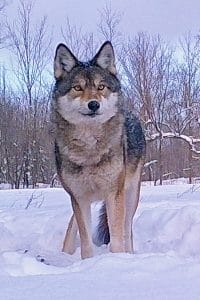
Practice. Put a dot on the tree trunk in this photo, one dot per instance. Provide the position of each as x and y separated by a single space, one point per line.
160 162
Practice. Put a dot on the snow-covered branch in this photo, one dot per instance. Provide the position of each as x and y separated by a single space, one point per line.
188 139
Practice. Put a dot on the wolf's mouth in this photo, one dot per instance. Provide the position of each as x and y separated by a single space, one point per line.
91 114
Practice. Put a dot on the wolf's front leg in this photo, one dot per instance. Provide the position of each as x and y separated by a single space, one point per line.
69 245
82 211
116 221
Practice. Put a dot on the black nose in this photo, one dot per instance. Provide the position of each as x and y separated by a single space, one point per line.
93 105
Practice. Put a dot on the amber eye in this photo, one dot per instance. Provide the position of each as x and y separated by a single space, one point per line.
101 87
77 88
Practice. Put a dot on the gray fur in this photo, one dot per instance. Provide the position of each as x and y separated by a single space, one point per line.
96 155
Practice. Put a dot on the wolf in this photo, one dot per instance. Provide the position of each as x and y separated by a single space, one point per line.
99 149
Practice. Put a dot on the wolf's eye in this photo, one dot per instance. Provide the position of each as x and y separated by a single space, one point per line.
77 88
101 87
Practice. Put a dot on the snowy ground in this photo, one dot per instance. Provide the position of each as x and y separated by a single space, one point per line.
166 264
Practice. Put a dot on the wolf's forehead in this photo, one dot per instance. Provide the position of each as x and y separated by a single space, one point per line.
88 77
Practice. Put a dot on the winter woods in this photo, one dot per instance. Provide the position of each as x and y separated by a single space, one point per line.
161 84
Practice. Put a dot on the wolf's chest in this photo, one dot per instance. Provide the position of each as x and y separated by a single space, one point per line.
86 149
92 159
95 181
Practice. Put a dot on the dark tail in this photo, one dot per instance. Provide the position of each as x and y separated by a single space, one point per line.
102 232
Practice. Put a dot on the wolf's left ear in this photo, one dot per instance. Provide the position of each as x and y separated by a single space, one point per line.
64 61
105 58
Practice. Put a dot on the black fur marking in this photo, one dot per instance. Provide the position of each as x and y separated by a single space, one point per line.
102 233
57 157
135 137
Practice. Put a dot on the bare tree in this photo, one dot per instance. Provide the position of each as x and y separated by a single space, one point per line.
108 25
147 66
83 45
29 44
189 88
11 137
152 86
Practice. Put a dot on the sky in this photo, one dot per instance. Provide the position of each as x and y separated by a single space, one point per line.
169 18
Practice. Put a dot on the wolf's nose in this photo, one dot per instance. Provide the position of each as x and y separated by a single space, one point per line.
93 105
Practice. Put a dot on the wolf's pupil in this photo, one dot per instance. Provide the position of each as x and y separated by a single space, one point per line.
101 87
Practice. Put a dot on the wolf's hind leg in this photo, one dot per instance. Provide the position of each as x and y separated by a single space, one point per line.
116 217
132 199
69 245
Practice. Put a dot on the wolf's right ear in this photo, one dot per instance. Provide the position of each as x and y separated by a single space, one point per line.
64 61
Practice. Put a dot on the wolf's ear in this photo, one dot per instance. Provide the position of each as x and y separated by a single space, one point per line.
64 61
105 58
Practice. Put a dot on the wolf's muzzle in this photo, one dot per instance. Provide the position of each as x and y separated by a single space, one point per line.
93 106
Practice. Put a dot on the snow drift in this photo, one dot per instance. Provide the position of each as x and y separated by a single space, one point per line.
166 263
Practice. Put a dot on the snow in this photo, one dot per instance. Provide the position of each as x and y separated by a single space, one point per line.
166 263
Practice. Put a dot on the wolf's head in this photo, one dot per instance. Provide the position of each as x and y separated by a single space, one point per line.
86 92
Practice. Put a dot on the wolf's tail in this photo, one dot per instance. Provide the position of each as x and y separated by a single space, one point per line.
102 235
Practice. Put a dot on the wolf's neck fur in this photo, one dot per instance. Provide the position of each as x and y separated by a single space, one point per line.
88 143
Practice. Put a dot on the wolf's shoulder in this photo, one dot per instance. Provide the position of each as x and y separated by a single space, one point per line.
135 138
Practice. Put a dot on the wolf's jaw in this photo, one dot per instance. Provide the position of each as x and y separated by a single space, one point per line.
79 118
